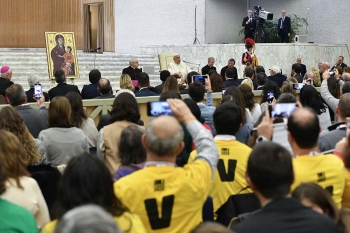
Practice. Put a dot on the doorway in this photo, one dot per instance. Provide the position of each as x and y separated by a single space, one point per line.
93 27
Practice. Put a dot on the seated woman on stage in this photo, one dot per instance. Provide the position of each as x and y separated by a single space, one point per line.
248 57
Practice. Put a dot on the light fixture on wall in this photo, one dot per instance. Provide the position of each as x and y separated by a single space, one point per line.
196 41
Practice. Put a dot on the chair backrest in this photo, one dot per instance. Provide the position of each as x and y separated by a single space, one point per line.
164 59
2 100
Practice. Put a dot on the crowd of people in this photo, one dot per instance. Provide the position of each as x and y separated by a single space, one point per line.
241 166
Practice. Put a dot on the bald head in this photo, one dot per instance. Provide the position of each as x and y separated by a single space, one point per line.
164 136
304 128
104 86
299 60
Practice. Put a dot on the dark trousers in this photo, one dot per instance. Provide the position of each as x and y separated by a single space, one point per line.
284 37
250 35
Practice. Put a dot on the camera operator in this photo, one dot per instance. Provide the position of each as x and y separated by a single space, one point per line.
249 23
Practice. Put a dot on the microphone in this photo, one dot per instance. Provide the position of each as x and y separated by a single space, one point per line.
96 49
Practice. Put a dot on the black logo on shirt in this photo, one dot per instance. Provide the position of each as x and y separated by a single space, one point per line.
159 185
225 151
321 177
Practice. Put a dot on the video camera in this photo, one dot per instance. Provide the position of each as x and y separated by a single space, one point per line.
259 12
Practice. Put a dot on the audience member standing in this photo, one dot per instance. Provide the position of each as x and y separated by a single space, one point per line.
270 177
133 71
5 79
62 141
284 28
249 24
62 87
177 193
35 119
210 66
229 176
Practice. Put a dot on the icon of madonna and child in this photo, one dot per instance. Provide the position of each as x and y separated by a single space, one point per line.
62 57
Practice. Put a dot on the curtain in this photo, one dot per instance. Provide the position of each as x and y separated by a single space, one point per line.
100 30
86 29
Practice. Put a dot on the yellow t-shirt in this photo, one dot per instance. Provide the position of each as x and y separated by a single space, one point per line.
229 176
325 170
166 198
346 195
127 222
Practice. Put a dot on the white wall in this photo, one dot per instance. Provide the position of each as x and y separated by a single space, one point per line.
328 21
223 21
157 22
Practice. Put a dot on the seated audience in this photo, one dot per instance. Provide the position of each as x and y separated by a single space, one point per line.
232 153
133 71
296 70
178 68
248 75
231 77
270 177
261 79
230 64
276 76
317 198
143 83
330 90
62 87
248 95
5 79
180 191
62 141
14 218
87 218
316 74
163 76
35 119
86 180
210 66
309 97
269 86
20 188
217 85
34 79
196 91
309 79
125 83
171 85
287 87
90 91
105 89
131 152
125 112
80 120
328 140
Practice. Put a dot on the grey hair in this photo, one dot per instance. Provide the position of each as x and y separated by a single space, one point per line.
87 219
162 147
33 79
132 60
211 58
308 75
124 91
346 77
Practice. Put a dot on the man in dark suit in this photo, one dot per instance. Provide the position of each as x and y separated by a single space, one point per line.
210 66
163 76
230 64
34 79
5 79
249 24
261 79
143 82
104 88
340 63
133 69
303 67
284 28
270 177
296 69
62 87
34 119
90 91
232 78
276 76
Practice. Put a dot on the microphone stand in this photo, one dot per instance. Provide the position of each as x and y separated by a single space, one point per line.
195 26
94 50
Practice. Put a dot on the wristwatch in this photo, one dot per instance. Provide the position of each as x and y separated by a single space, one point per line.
262 139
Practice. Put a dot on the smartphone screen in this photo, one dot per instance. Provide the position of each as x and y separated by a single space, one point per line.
37 91
282 110
270 96
347 125
199 78
158 108
298 86
308 82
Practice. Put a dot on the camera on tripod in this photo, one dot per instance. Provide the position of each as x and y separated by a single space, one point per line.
259 12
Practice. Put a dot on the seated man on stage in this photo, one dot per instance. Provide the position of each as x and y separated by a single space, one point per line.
178 68
210 66
248 57
133 69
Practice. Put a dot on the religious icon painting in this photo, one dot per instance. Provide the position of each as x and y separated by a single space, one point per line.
61 54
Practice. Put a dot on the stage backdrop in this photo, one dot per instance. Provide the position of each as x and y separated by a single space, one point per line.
23 23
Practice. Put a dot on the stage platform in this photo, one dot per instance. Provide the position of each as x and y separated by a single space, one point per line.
283 55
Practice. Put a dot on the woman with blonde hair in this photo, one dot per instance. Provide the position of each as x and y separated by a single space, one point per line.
21 189
11 121
317 77
125 82
287 87
171 85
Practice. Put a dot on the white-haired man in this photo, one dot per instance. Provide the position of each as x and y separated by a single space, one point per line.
276 76
133 69
34 79
178 68
5 79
